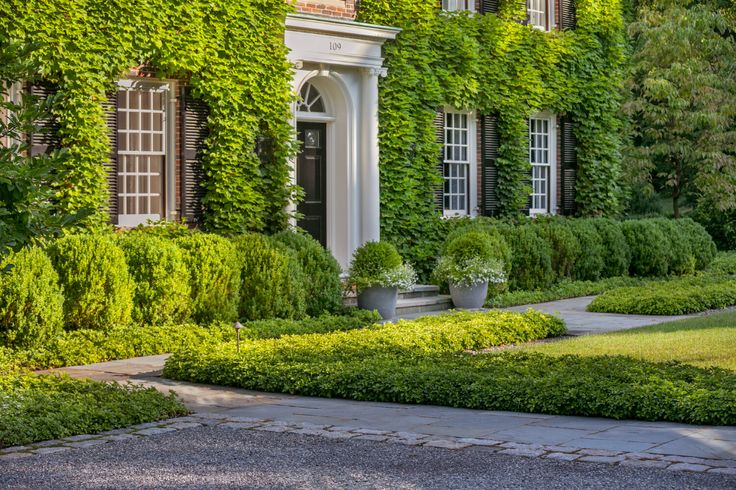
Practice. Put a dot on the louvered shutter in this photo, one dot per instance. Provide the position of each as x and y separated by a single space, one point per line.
489 153
439 191
194 116
528 180
528 17
46 139
110 105
489 6
567 14
569 165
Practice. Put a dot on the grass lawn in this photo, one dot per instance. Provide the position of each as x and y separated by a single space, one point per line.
702 342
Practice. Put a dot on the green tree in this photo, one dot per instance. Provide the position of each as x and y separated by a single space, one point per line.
683 103
26 196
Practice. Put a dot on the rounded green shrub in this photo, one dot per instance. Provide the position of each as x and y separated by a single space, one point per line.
648 246
501 249
272 281
378 264
31 301
162 290
323 287
616 253
680 258
702 245
473 244
214 276
98 290
590 262
566 249
532 258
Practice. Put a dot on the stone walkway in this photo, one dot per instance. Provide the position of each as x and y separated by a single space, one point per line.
659 445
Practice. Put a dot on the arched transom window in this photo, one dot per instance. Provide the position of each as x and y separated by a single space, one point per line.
311 99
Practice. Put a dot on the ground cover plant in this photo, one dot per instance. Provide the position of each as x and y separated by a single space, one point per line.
413 362
705 342
563 290
78 347
37 408
673 297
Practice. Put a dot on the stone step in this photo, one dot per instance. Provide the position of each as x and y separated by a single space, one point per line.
411 306
420 291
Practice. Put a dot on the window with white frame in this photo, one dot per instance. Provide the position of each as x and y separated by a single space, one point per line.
540 14
142 151
543 160
458 159
458 5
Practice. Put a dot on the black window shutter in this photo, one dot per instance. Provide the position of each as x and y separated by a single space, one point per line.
489 6
489 152
194 132
439 191
528 180
569 165
110 105
528 17
47 138
567 14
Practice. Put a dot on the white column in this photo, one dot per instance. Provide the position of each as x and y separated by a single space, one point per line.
370 198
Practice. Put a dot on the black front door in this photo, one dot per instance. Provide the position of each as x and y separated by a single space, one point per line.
311 176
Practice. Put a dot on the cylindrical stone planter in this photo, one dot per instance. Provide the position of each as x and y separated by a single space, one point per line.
469 298
381 299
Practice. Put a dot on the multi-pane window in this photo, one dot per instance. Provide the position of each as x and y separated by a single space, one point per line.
539 13
142 143
540 157
457 157
455 5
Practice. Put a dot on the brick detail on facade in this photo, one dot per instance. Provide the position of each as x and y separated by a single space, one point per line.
339 9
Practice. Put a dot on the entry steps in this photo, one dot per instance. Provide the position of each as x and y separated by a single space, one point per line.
423 298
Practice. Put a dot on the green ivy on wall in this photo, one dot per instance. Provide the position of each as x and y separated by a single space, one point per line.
233 56
495 65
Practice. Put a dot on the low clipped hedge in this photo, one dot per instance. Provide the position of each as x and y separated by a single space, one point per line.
31 303
98 290
162 289
322 287
38 408
673 297
272 282
214 276
80 347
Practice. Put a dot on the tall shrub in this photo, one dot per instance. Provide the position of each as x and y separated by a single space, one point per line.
680 257
272 280
323 287
702 245
214 276
162 292
589 264
31 301
616 252
98 290
566 248
648 246
532 258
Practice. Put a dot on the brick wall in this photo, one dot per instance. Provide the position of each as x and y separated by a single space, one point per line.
340 9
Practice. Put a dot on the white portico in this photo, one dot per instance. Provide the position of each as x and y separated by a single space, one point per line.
337 65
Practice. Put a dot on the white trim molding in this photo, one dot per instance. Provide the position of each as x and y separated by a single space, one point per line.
543 160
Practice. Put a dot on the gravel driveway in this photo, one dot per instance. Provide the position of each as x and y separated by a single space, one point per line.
209 457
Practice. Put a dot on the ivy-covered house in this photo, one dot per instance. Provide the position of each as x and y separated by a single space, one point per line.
174 110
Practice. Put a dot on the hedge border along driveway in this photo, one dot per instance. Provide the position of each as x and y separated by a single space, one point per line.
394 365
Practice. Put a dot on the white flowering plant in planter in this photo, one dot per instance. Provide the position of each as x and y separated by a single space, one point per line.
379 265
471 271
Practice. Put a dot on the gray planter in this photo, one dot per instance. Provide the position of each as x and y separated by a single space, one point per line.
469 298
381 299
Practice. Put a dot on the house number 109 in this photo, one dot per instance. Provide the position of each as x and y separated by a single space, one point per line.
335 46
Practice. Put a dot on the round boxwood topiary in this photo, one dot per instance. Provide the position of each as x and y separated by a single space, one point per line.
98 290
492 229
323 286
702 245
589 263
616 253
378 264
31 301
214 276
564 243
162 293
272 280
648 246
